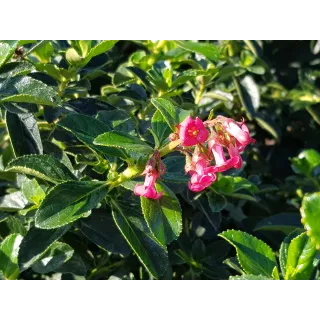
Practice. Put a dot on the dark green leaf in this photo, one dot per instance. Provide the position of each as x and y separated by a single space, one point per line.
163 216
133 227
285 222
24 134
168 111
53 258
27 89
175 170
100 228
16 69
35 243
86 129
160 127
69 201
216 201
74 265
41 166
249 94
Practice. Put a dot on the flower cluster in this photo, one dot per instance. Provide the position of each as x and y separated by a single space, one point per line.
211 139
204 144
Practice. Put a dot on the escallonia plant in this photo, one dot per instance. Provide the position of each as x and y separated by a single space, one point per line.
132 160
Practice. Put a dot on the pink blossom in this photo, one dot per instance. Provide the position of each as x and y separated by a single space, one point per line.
222 164
154 168
203 176
238 130
192 132
148 189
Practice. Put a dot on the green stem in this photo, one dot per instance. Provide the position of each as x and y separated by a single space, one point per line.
314 114
99 272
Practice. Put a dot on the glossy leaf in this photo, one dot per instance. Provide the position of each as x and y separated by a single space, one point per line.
135 230
32 191
310 212
208 50
7 49
27 89
284 222
24 134
52 259
86 129
249 277
9 249
13 69
160 127
167 110
69 201
301 254
13 202
124 141
175 170
100 228
36 242
255 256
305 162
163 216
41 166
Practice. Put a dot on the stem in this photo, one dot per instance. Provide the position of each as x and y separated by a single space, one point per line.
169 147
313 114
96 273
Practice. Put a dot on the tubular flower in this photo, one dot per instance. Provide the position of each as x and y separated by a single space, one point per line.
153 170
203 176
238 130
222 164
192 132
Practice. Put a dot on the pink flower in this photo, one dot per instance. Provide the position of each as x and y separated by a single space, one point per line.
203 176
192 132
154 168
148 189
238 130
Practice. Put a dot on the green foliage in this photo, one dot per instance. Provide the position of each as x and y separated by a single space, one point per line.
79 121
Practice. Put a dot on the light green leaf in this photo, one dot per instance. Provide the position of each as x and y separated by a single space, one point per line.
130 222
7 49
122 140
163 216
310 212
208 50
283 252
9 249
32 191
41 166
255 256
306 161
69 201
301 254
249 277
